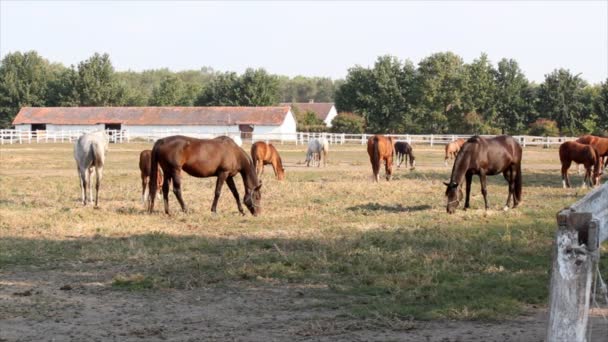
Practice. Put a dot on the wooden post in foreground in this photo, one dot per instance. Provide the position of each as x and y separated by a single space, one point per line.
581 229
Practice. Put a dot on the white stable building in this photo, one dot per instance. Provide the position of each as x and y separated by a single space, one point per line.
325 111
142 121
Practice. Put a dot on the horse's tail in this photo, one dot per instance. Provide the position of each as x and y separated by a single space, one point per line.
152 186
518 183
254 154
375 157
597 163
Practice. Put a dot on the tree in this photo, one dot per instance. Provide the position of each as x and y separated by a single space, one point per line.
513 97
560 99
439 92
24 79
348 123
168 93
96 83
601 107
63 90
478 94
223 90
258 88
382 95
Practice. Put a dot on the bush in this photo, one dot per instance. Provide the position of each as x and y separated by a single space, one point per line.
544 128
348 123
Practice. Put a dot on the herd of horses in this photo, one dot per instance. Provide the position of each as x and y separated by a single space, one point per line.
223 158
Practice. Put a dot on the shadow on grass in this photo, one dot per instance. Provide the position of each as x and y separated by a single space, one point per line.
397 208
487 272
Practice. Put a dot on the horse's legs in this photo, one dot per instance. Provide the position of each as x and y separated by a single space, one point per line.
98 177
565 178
261 163
166 179
274 168
177 189
399 160
235 193
484 189
508 174
587 178
82 174
144 188
469 179
90 184
388 167
221 178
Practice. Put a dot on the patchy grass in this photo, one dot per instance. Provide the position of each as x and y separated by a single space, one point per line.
381 250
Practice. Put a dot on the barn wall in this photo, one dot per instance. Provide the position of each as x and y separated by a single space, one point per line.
330 116
23 127
56 128
286 131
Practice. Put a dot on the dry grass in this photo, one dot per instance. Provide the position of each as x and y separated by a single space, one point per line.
385 249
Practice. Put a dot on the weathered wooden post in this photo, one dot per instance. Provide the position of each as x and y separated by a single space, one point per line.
581 229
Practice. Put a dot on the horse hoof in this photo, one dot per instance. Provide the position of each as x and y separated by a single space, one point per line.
506 208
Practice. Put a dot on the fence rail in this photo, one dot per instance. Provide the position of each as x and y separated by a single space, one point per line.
11 136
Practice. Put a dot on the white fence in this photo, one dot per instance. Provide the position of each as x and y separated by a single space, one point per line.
11 136
575 276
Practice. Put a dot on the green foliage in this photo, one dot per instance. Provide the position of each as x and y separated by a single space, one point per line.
560 96
348 123
512 105
172 91
96 84
601 107
308 121
253 88
544 128
24 81
304 89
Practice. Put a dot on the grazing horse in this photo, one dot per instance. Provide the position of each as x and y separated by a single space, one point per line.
145 167
600 143
90 152
380 148
403 150
485 157
452 148
317 151
264 154
219 157
588 155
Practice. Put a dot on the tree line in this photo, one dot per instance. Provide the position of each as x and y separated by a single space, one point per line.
441 94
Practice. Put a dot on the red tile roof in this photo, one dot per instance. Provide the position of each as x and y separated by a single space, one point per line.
320 108
207 116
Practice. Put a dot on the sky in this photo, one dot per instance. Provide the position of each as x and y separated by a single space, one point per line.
310 38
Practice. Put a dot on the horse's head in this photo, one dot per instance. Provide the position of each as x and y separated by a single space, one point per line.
281 173
454 195
253 199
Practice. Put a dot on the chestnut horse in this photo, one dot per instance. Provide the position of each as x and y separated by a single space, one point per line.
588 155
403 150
264 154
218 157
452 148
145 166
485 157
601 144
380 148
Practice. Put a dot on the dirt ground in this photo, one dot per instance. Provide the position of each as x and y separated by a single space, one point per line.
82 306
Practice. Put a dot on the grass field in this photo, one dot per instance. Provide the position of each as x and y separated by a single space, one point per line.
384 250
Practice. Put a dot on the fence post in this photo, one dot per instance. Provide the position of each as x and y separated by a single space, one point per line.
431 140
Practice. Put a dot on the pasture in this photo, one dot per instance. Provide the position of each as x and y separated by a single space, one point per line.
332 256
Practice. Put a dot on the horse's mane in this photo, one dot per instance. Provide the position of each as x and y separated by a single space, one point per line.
474 139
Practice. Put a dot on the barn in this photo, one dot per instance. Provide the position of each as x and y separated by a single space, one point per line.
325 111
141 121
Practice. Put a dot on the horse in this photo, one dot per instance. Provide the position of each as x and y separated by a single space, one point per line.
485 157
600 143
452 148
90 152
219 157
588 155
264 154
403 150
145 167
317 151
380 148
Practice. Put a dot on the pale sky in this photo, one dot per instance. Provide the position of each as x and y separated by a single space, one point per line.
310 38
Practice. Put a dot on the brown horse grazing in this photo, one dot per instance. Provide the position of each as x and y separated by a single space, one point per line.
264 154
145 167
572 151
485 157
403 150
452 148
600 144
380 148
204 158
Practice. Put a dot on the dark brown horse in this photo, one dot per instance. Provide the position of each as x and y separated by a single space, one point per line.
380 148
264 154
600 144
485 157
588 155
145 167
202 158
403 151
452 148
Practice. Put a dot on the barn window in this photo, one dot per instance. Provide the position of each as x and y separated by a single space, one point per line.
246 131
38 127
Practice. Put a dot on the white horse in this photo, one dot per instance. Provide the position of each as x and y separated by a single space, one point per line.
90 152
317 151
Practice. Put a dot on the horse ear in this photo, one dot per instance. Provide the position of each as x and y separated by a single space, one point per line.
446 183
